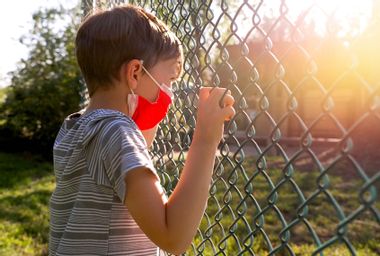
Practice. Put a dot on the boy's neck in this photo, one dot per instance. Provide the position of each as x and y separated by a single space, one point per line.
113 98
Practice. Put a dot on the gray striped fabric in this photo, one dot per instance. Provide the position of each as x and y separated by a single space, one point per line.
92 154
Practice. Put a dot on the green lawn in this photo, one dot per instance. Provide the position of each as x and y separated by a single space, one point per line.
242 199
26 183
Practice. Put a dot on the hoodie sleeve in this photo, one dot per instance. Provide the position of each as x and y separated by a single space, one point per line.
124 149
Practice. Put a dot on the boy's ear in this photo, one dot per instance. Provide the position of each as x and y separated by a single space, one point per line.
131 72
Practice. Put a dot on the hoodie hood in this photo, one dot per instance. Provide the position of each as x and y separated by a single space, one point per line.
78 130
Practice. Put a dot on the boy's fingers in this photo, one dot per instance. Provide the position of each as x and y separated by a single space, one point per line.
228 113
219 94
204 93
228 100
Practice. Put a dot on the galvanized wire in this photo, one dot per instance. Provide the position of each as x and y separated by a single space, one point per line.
305 133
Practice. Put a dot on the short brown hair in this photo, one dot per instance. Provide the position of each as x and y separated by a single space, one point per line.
109 38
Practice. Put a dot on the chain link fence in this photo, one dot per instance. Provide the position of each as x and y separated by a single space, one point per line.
298 170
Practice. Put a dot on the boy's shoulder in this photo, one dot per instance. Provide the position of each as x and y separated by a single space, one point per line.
99 124
106 116
95 119
113 132
108 121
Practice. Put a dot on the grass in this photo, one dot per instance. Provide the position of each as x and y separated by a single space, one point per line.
243 216
233 215
26 183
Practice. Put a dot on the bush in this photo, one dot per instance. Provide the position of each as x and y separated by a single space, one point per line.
46 86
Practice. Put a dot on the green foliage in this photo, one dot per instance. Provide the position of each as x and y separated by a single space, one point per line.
3 92
46 86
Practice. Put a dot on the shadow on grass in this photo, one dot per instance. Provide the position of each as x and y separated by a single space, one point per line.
28 209
19 170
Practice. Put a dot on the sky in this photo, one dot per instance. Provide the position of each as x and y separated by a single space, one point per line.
15 21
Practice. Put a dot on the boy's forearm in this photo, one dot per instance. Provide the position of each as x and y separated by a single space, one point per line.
186 205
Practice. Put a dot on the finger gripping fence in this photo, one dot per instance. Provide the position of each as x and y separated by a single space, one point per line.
298 169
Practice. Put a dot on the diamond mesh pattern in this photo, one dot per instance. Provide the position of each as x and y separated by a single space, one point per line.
298 170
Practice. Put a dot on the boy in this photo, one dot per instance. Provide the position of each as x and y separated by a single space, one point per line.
108 199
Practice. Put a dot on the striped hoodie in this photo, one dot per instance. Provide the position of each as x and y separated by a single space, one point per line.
92 154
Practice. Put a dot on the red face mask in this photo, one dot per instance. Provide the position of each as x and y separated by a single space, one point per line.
147 114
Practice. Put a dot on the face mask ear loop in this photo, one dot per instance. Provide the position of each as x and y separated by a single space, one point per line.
132 103
151 77
159 86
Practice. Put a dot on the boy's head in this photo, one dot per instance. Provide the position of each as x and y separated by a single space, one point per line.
108 39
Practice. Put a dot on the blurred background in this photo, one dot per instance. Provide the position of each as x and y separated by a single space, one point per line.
298 170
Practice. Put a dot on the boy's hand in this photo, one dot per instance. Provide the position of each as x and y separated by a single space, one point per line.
172 223
215 106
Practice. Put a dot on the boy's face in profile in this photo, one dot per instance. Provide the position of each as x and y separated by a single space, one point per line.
165 72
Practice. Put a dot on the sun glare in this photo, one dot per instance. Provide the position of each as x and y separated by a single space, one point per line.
343 17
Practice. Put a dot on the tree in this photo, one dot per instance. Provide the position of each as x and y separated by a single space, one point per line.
46 86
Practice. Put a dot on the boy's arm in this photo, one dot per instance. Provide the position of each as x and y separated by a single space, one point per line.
172 223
